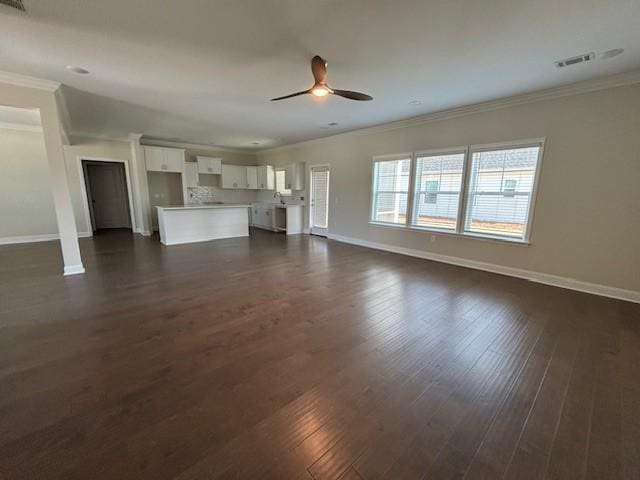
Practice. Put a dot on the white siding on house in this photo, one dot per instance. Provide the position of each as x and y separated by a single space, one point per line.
437 190
391 190
500 188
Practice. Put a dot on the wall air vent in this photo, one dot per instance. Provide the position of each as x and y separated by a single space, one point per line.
567 62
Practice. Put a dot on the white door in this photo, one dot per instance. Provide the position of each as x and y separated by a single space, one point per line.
319 200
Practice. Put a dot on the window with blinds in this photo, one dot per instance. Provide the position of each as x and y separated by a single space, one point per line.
499 192
437 187
280 183
391 190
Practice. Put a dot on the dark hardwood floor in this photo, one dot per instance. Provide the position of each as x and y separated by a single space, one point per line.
276 357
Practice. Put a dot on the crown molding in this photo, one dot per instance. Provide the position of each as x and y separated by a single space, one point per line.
587 86
21 127
160 142
75 136
30 82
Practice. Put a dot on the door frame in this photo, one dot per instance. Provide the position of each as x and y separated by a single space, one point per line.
310 209
83 188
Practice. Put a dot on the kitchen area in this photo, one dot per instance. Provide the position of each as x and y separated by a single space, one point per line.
195 196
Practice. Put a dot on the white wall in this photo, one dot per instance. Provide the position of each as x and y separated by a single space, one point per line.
587 218
89 148
26 203
43 99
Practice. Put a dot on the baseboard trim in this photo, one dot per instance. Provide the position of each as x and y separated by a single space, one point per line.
73 269
538 277
47 237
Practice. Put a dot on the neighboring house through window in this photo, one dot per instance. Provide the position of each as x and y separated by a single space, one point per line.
480 191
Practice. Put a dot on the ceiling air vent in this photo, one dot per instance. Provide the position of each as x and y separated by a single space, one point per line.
17 4
567 62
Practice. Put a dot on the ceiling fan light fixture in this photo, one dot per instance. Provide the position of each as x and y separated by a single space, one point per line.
320 91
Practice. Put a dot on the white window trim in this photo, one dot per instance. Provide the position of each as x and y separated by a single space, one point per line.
531 142
434 152
275 181
387 158
462 206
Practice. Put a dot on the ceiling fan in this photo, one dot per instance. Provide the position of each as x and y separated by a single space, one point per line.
320 87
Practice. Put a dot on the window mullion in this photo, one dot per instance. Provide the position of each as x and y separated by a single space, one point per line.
464 194
411 191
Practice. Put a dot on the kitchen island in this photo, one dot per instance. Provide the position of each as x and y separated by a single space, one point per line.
200 223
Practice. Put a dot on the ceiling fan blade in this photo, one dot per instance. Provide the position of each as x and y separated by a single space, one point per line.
292 95
319 69
352 95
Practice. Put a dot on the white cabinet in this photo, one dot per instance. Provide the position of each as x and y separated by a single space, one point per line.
234 176
252 178
284 218
294 176
266 178
191 174
209 165
262 215
159 159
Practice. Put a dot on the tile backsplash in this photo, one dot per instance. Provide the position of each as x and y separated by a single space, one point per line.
205 193
202 194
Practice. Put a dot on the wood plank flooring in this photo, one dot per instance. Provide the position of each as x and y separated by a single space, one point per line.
274 357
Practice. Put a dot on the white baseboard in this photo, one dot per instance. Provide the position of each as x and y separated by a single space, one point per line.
73 269
538 277
47 237
307 231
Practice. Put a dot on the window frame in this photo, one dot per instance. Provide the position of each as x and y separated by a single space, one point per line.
390 158
464 189
434 153
275 181
488 147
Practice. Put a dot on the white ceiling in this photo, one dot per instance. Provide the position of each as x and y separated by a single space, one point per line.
204 71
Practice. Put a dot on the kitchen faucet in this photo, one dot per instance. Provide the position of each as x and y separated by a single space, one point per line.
278 194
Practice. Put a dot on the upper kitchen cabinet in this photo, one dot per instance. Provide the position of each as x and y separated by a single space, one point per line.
159 159
294 176
191 174
266 178
252 178
209 165
234 176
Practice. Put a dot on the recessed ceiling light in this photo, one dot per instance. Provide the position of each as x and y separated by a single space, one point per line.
333 124
77 70
415 102
612 53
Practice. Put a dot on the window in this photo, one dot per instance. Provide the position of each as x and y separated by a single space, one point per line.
391 190
481 191
500 188
509 186
431 195
280 183
437 190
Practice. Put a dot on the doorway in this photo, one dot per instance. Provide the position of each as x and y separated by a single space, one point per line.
319 204
107 194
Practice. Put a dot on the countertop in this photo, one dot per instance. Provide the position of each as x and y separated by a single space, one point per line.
205 207
279 205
